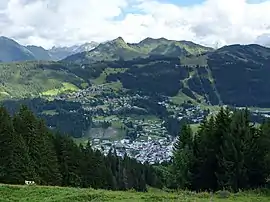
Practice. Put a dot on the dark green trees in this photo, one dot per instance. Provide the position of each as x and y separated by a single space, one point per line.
227 152
29 151
14 158
183 158
40 147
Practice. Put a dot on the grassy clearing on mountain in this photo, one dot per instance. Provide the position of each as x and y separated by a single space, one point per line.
194 60
29 79
143 117
66 87
180 98
4 95
50 112
102 78
115 86
54 194
195 127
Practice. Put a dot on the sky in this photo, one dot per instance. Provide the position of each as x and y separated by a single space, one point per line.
213 23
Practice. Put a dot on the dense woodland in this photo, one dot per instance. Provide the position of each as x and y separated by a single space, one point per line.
64 116
30 151
228 152
159 77
234 75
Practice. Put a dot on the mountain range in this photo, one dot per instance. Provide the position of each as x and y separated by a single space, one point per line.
11 51
118 49
177 73
234 74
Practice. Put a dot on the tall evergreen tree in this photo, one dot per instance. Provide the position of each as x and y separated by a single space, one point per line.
262 174
205 151
40 145
221 130
232 159
69 158
14 158
25 125
183 158
49 167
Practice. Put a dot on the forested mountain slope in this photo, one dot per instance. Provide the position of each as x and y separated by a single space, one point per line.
234 75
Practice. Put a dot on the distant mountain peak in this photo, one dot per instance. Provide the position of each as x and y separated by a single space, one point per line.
118 48
150 40
118 40
59 53
10 51
6 38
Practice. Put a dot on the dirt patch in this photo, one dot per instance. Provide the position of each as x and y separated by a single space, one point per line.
103 133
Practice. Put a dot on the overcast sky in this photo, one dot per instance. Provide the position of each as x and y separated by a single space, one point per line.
68 22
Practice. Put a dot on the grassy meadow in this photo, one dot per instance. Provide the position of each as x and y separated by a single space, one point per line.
18 193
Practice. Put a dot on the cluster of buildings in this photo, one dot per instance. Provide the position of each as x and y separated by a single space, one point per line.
151 151
194 114
83 94
152 142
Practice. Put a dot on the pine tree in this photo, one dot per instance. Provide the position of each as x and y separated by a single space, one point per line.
205 151
69 158
85 172
101 172
141 183
111 165
183 158
40 144
254 155
262 174
25 125
232 159
221 130
14 159
49 167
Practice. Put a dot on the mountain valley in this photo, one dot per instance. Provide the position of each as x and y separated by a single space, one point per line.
141 92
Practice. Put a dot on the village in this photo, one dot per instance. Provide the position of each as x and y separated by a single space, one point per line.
119 124
151 151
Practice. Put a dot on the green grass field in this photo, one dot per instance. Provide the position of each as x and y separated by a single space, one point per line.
28 79
66 87
10 193
102 78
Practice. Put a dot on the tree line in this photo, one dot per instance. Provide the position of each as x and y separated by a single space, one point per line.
67 117
228 152
30 151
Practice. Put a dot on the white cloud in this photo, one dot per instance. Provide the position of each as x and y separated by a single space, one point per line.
66 22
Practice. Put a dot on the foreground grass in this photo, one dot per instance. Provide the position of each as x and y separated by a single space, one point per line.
48 194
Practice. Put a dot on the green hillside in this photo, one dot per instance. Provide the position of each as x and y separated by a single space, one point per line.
54 194
119 49
170 68
233 75
32 79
